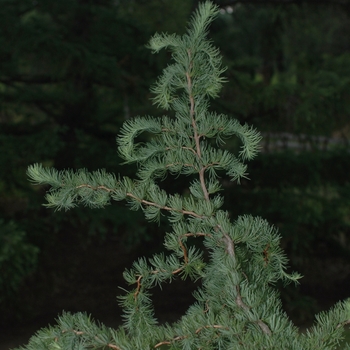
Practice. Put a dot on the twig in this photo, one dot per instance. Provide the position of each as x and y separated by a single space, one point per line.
167 342
95 188
186 212
211 326
138 287
264 327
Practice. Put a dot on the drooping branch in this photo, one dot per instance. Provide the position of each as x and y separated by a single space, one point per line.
174 272
164 207
167 342
198 234
143 201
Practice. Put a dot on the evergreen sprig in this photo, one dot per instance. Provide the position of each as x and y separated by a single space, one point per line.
236 306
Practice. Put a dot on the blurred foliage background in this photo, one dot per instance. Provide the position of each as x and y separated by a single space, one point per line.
71 71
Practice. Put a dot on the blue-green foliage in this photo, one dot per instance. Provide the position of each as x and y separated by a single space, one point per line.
236 306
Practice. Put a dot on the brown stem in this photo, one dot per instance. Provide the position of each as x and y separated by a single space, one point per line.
166 342
138 287
230 246
143 201
264 327
162 343
184 250
115 347
266 254
183 247
183 164
198 234
96 188
217 326
178 270
343 324
204 187
185 148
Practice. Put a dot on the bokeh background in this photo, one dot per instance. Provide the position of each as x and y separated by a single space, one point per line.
71 71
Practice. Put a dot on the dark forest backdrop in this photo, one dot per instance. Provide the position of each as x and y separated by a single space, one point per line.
71 71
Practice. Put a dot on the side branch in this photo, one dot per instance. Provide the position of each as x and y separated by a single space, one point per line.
216 326
198 234
184 250
185 212
263 326
167 342
139 278
230 248
101 187
143 201
138 287
230 245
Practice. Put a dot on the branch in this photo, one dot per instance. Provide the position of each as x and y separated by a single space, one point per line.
198 234
230 248
263 326
139 278
230 245
216 326
101 187
184 250
138 287
194 125
166 342
143 201
343 324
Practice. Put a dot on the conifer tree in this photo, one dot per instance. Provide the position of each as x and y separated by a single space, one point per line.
236 306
